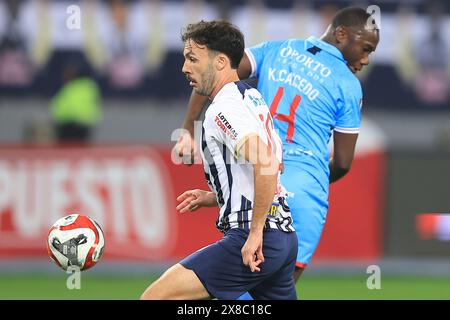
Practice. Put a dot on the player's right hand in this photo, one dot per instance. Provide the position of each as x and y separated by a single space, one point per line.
192 200
185 149
252 255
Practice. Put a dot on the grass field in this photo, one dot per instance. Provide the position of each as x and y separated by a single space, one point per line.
121 287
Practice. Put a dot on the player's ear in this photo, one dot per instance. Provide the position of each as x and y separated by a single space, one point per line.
221 61
341 34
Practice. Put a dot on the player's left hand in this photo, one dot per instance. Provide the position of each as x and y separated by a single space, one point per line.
252 255
192 200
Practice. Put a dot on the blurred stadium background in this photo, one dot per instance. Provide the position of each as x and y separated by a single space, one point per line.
119 63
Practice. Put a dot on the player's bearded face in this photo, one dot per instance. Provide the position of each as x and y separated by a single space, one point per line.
206 80
199 68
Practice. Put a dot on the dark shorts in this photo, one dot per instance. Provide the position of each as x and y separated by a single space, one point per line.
220 268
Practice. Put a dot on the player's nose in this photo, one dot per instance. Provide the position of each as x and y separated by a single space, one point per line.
185 68
365 60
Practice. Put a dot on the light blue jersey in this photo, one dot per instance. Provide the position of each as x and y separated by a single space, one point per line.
311 92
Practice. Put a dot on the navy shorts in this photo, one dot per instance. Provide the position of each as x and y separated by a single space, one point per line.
220 268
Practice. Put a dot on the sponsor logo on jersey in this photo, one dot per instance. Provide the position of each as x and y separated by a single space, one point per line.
225 126
303 59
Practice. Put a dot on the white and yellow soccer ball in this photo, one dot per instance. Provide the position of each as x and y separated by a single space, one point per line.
75 240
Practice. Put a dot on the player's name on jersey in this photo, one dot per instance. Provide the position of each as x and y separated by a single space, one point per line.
294 80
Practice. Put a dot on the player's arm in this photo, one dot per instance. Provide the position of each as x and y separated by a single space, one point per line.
196 104
195 107
265 172
344 150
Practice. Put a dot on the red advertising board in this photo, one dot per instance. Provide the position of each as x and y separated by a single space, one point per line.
131 192
353 229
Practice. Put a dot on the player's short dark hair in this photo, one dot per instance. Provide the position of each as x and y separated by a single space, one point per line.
350 17
217 35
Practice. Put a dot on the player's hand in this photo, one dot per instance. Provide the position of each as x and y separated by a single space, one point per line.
252 255
185 149
192 200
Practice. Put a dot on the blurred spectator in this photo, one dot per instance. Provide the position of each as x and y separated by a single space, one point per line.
405 63
134 47
156 48
76 108
125 56
15 66
117 42
422 57
40 33
432 54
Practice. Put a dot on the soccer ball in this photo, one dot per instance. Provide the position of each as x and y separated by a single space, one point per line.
75 240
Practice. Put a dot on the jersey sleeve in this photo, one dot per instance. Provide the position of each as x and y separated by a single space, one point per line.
349 113
231 126
257 53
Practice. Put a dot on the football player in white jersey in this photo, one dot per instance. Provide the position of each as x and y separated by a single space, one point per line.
242 158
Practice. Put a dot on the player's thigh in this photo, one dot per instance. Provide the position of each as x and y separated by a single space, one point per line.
177 283
280 285
309 216
308 202
308 225
220 268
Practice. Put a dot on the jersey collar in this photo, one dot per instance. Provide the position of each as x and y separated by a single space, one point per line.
326 47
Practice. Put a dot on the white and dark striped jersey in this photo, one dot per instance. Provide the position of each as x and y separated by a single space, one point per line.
237 112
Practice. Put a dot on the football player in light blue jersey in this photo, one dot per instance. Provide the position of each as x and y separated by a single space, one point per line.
312 92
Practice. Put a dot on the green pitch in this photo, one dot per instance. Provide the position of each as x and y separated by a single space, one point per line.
311 287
